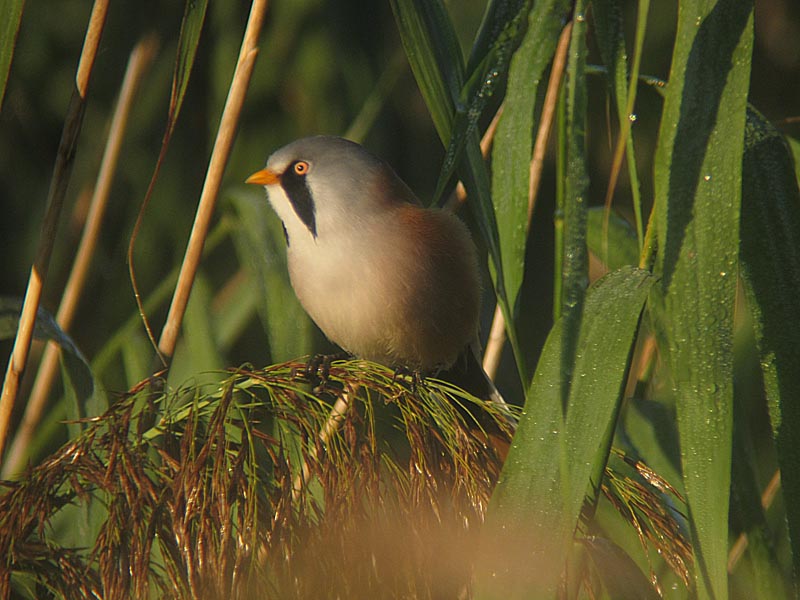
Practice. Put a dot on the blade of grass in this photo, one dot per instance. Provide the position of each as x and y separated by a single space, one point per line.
794 145
495 17
621 577
560 200
434 56
622 248
512 185
697 193
497 334
770 260
483 80
514 140
574 265
55 201
760 565
85 396
9 28
558 449
611 40
571 254
83 400
234 304
45 328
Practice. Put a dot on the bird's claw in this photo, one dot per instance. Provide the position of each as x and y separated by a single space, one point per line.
318 370
414 374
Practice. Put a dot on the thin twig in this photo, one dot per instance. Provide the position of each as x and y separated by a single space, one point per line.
497 337
644 361
330 427
626 122
548 113
741 543
216 168
494 343
138 62
788 121
55 202
459 195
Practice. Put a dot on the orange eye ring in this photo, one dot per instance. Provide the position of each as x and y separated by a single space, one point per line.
301 167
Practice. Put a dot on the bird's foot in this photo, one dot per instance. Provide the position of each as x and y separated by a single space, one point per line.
415 375
318 369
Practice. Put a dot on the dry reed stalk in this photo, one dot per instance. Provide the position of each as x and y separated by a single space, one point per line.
55 202
139 60
622 140
767 498
497 336
329 428
459 195
216 168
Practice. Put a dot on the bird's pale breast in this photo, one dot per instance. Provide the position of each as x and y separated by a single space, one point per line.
403 290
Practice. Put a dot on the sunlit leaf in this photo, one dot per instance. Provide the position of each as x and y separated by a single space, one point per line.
609 26
770 267
9 28
191 26
621 577
697 192
81 379
484 80
622 245
434 55
511 152
560 445
759 563
573 275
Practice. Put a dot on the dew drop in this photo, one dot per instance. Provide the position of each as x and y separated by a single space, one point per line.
632 117
706 177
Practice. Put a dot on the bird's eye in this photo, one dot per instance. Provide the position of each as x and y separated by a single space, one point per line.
301 167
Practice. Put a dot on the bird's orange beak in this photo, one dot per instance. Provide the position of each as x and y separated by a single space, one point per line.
263 177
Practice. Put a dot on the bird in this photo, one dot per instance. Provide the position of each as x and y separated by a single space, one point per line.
385 278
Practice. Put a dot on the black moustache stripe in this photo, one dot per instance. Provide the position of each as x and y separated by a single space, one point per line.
296 188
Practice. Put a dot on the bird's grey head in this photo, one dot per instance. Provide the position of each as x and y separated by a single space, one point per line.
329 182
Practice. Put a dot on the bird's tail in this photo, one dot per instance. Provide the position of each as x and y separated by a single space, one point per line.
468 374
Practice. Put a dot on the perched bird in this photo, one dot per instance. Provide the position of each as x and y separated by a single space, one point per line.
383 277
